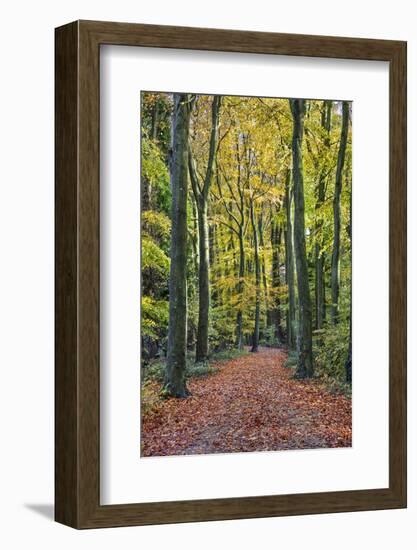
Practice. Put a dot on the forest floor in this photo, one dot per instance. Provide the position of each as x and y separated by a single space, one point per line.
252 403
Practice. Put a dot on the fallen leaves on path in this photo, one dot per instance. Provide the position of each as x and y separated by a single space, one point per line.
251 404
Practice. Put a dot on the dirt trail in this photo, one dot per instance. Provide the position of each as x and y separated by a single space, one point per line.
251 404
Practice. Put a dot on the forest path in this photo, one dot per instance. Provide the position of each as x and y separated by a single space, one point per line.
251 404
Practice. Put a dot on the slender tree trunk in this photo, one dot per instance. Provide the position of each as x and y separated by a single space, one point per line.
177 331
195 240
321 196
348 364
232 267
203 285
201 193
335 274
276 232
239 317
289 266
242 259
267 322
255 338
305 346
267 316
280 331
215 267
319 287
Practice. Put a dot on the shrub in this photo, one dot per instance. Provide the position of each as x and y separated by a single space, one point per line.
150 399
155 371
330 352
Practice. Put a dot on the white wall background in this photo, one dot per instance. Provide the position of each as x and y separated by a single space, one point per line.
26 274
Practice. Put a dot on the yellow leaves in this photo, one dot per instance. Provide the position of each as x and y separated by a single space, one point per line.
154 316
150 401
156 223
153 257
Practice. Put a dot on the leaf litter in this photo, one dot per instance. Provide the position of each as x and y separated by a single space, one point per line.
252 403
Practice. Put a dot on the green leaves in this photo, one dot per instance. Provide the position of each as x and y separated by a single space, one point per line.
154 171
154 316
156 224
153 257
153 166
331 348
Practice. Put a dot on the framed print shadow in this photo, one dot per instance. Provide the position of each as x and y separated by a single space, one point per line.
230 333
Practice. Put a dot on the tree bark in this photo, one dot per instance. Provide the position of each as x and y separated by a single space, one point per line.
195 240
289 266
239 317
177 329
276 232
348 363
335 274
242 258
255 338
203 286
263 272
201 192
321 196
305 347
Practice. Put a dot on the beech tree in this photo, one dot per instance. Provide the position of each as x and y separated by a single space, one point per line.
321 159
289 264
305 343
337 214
175 384
201 194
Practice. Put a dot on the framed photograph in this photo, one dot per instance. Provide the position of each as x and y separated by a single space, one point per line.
230 274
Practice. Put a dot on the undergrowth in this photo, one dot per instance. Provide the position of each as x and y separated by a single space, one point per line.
328 369
153 375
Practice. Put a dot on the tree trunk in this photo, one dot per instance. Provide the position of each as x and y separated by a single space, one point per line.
276 281
348 364
177 330
335 275
321 196
214 264
239 317
267 316
195 240
305 346
255 338
319 288
201 192
289 266
267 322
203 285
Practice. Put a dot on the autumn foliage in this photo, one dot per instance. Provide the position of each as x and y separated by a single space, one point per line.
252 403
245 245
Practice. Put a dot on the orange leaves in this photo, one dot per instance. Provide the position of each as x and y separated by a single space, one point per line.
251 404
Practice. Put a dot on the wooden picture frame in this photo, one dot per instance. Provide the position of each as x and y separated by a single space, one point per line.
77 383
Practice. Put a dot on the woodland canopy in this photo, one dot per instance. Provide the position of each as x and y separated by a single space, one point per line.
245 231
